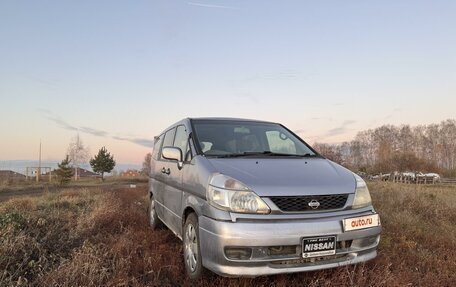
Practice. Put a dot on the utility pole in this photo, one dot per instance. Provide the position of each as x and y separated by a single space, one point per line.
38 172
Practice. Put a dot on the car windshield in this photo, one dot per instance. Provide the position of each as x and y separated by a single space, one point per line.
221 138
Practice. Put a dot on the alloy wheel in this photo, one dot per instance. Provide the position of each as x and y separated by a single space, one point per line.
191 248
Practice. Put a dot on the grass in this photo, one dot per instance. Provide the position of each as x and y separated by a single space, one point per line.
20 185
91 237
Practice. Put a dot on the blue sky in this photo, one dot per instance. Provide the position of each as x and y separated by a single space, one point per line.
118 72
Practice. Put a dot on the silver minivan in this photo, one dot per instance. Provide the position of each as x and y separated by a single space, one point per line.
250 198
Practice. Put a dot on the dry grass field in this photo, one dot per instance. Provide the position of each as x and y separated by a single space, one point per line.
95 237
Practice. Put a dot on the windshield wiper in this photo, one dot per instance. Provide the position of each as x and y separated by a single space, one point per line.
291 155
243 154
264 153
308 155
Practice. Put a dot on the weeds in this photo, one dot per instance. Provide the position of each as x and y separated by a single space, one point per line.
90 237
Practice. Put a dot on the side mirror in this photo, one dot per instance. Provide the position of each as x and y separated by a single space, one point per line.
173 153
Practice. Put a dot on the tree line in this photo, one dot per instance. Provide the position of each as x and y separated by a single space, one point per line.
388 148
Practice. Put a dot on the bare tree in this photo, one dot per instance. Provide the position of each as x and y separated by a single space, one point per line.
427 148
331 152
146 164
78 154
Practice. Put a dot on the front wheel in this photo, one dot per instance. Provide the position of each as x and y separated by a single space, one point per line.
192 250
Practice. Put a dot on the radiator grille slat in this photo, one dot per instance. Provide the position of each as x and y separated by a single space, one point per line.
301 203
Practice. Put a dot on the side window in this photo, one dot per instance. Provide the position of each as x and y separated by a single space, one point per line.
157 146
169 138
181 139
280 143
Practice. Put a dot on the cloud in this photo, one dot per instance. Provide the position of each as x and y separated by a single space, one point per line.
61 123
143 142
139 141
119 138
343 128
212 6
91 131
94 132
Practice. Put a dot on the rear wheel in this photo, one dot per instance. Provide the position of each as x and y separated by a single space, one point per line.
192 250
154 221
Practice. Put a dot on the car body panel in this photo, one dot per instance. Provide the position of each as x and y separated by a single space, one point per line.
173 197
184 189
288 176
216 236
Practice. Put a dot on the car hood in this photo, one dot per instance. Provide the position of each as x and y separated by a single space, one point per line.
288 177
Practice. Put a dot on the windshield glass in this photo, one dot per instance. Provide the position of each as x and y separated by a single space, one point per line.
243 138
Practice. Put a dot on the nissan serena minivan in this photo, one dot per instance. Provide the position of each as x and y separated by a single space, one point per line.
251 198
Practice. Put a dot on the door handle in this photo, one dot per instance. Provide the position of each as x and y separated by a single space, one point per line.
166 171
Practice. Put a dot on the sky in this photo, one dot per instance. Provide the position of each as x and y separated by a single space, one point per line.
119 72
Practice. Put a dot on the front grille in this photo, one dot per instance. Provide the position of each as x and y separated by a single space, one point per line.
301 203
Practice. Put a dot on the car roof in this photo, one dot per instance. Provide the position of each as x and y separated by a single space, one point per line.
229 119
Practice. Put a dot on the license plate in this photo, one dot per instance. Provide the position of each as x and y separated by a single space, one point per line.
318 246
361 222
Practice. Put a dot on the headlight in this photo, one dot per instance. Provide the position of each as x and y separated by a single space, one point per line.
362 195
229 194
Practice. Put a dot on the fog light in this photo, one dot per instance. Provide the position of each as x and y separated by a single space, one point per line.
238 253
367 241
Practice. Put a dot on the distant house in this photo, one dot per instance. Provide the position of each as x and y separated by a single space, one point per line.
9 174
86 173
130 173
82 173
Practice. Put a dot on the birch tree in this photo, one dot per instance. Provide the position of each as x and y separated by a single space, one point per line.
78 154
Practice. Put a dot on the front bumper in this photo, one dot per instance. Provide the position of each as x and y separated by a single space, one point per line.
262 235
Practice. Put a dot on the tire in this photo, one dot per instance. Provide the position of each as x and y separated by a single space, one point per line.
154 221
191 246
